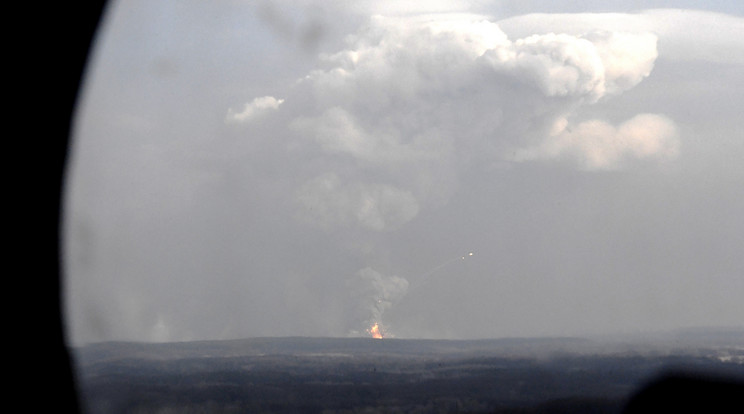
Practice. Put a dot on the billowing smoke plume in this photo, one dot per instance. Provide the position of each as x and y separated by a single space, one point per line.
412 102
372 294
328 200
598 145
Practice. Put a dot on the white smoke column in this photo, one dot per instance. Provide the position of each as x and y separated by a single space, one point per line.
328 199
373 294
414 102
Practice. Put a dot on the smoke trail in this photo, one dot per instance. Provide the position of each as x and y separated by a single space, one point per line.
426 277
373 294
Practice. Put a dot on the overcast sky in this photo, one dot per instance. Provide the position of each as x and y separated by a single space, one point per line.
248 168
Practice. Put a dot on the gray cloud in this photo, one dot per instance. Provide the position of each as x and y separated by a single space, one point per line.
327 201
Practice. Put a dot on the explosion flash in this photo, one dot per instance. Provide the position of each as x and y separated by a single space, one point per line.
375 331
387 291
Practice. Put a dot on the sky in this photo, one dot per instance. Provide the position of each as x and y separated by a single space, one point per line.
455 170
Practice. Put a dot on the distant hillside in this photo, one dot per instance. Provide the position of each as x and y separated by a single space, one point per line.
689 341
351 346
348 375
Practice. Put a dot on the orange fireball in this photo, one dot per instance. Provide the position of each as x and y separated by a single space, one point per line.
375 331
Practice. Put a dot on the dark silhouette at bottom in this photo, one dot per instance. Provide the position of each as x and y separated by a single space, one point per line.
684 392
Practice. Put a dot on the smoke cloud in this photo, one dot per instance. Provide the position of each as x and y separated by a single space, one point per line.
372 294
417 101
597 145
327 200
256 108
